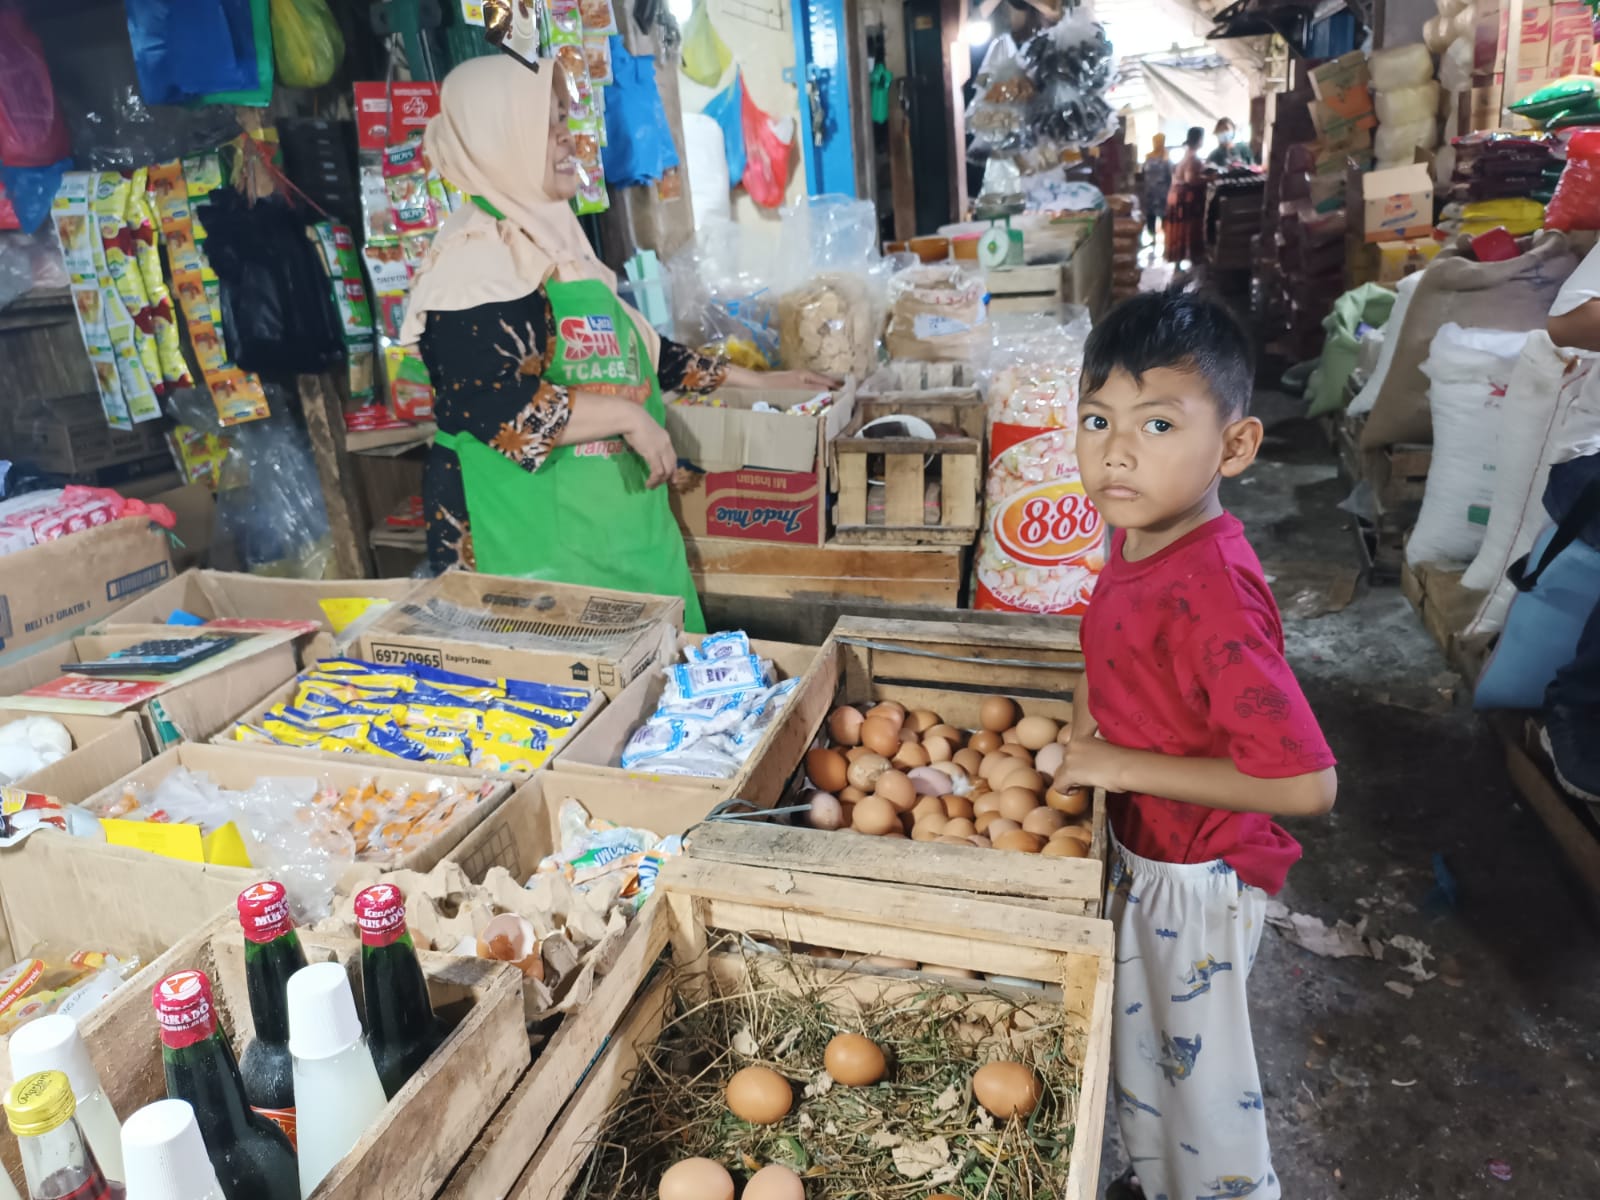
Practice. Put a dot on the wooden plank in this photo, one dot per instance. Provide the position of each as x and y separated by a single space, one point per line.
959 492
961 408
387 443
1064 882
1573 836
904 494
914 575
852 469
898 537
348 521
1049 279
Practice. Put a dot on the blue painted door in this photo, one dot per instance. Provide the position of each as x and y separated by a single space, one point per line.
822 76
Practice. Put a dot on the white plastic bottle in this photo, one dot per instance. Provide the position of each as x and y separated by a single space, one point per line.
53 1043
165 1156
336 1088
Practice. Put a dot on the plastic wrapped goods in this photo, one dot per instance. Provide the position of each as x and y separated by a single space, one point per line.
830 324
936 314
1042 544
1400 67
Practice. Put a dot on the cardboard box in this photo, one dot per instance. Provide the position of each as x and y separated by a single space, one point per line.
1534 39
1571 39
1485 108
1489 41
192 704
1397 204
50 592
70 436
234 595
104 749
490 625
1396 260
760 476
589 767
1335 127
1528 81
1343 87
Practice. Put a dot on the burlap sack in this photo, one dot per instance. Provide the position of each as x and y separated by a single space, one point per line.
1514 296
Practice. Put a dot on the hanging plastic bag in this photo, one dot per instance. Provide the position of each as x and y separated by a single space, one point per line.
184 51
1576 203
260 94
32 131
639 147
767 155
727 110
706 56
306 42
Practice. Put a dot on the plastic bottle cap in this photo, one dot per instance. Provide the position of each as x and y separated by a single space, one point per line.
163 1154
322 1012
53 1043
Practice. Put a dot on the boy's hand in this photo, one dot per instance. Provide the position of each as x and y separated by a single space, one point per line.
1091 762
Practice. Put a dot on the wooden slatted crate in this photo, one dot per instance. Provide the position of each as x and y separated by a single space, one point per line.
948 668
699 904
914 471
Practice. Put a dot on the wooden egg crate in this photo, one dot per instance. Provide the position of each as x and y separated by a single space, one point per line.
699 907
948 668
931 490
429 1124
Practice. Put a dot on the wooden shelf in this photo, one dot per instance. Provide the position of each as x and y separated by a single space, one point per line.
390 443
399 539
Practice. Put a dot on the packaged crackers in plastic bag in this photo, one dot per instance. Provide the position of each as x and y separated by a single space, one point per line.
1043 543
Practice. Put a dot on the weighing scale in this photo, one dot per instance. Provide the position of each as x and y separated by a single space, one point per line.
1000 245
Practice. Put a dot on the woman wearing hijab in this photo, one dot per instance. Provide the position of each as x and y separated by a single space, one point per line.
1186 204
1157 182
551 451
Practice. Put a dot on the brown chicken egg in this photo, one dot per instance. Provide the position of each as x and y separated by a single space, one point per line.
993 763
775 1182
938 749
890 711
1065 847
1044 821
958 827
989 802
958 806
1009 738
760 1095
1021 753
1074 802
928 806
827 769
1021 776
1016 803
864 772
949 733
985 742
1037 732
1007 1089
876 816
969 760
826 812
844 726
921 720
997 829
1082 832
928 828
998 713
1020 840
880 736
852 795
910 756
513 939
951 840
854 1061
696 1179
896 787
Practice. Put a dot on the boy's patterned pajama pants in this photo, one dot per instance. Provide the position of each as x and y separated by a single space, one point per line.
1184 1076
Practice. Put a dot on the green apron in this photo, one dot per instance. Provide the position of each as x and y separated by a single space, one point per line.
585 516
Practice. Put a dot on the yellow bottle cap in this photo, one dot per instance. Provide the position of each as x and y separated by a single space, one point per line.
39 1103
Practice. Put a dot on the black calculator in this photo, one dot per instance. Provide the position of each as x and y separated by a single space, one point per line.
159 656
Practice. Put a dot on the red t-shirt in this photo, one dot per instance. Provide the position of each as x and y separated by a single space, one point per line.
1184 655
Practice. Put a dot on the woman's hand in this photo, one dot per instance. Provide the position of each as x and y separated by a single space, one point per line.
743 377
653 444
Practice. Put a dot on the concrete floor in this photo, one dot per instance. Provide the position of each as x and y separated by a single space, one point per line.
1371 1093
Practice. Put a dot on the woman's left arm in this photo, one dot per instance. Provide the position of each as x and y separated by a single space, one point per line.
682 370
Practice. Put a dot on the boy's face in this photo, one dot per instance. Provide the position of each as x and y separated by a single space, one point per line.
1152 452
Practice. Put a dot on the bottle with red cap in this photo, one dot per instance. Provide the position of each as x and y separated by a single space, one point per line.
272 953
251 1155
402 1029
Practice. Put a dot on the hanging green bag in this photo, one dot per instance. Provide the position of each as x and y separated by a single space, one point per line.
306 42
706 56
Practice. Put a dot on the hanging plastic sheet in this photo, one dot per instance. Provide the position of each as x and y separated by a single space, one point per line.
33 132
639 147
768 154
706 56
727 110
183 51
259 95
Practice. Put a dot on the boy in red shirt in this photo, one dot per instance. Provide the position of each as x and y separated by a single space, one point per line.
1190 717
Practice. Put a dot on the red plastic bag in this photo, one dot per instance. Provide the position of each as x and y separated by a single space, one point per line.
1576 204
33 132
766 166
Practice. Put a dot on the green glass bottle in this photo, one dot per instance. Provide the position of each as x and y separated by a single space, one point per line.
402 1029
272 953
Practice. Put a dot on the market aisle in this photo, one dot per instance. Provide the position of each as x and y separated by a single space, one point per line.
1373 1093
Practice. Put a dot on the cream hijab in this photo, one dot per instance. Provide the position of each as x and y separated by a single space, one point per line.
490 139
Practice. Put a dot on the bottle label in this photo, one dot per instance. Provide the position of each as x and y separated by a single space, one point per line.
184 1009
381 914
283 1118
264 912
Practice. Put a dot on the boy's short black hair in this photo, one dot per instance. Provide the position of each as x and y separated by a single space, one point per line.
1183 331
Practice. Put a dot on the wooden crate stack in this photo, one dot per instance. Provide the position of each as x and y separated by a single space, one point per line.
1398 477
1127 227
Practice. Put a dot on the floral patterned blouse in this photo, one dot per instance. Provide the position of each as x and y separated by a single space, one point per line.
487 365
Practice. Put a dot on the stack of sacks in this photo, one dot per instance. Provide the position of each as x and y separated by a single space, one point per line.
1406 99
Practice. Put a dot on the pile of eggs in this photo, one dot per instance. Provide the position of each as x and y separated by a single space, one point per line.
895 773
761 1096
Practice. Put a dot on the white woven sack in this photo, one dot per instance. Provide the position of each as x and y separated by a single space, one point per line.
1468 371
1368 395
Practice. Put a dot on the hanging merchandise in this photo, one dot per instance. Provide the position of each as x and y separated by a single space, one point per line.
306 42
640 148
1042 545
259 94
270 511
706 57
585 116
727 110
184 51
33 132
769 153
276 308
881 80
511 25
599 18
174 188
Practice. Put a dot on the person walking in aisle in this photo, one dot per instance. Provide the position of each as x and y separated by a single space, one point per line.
1186 204
1155 183
552 448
